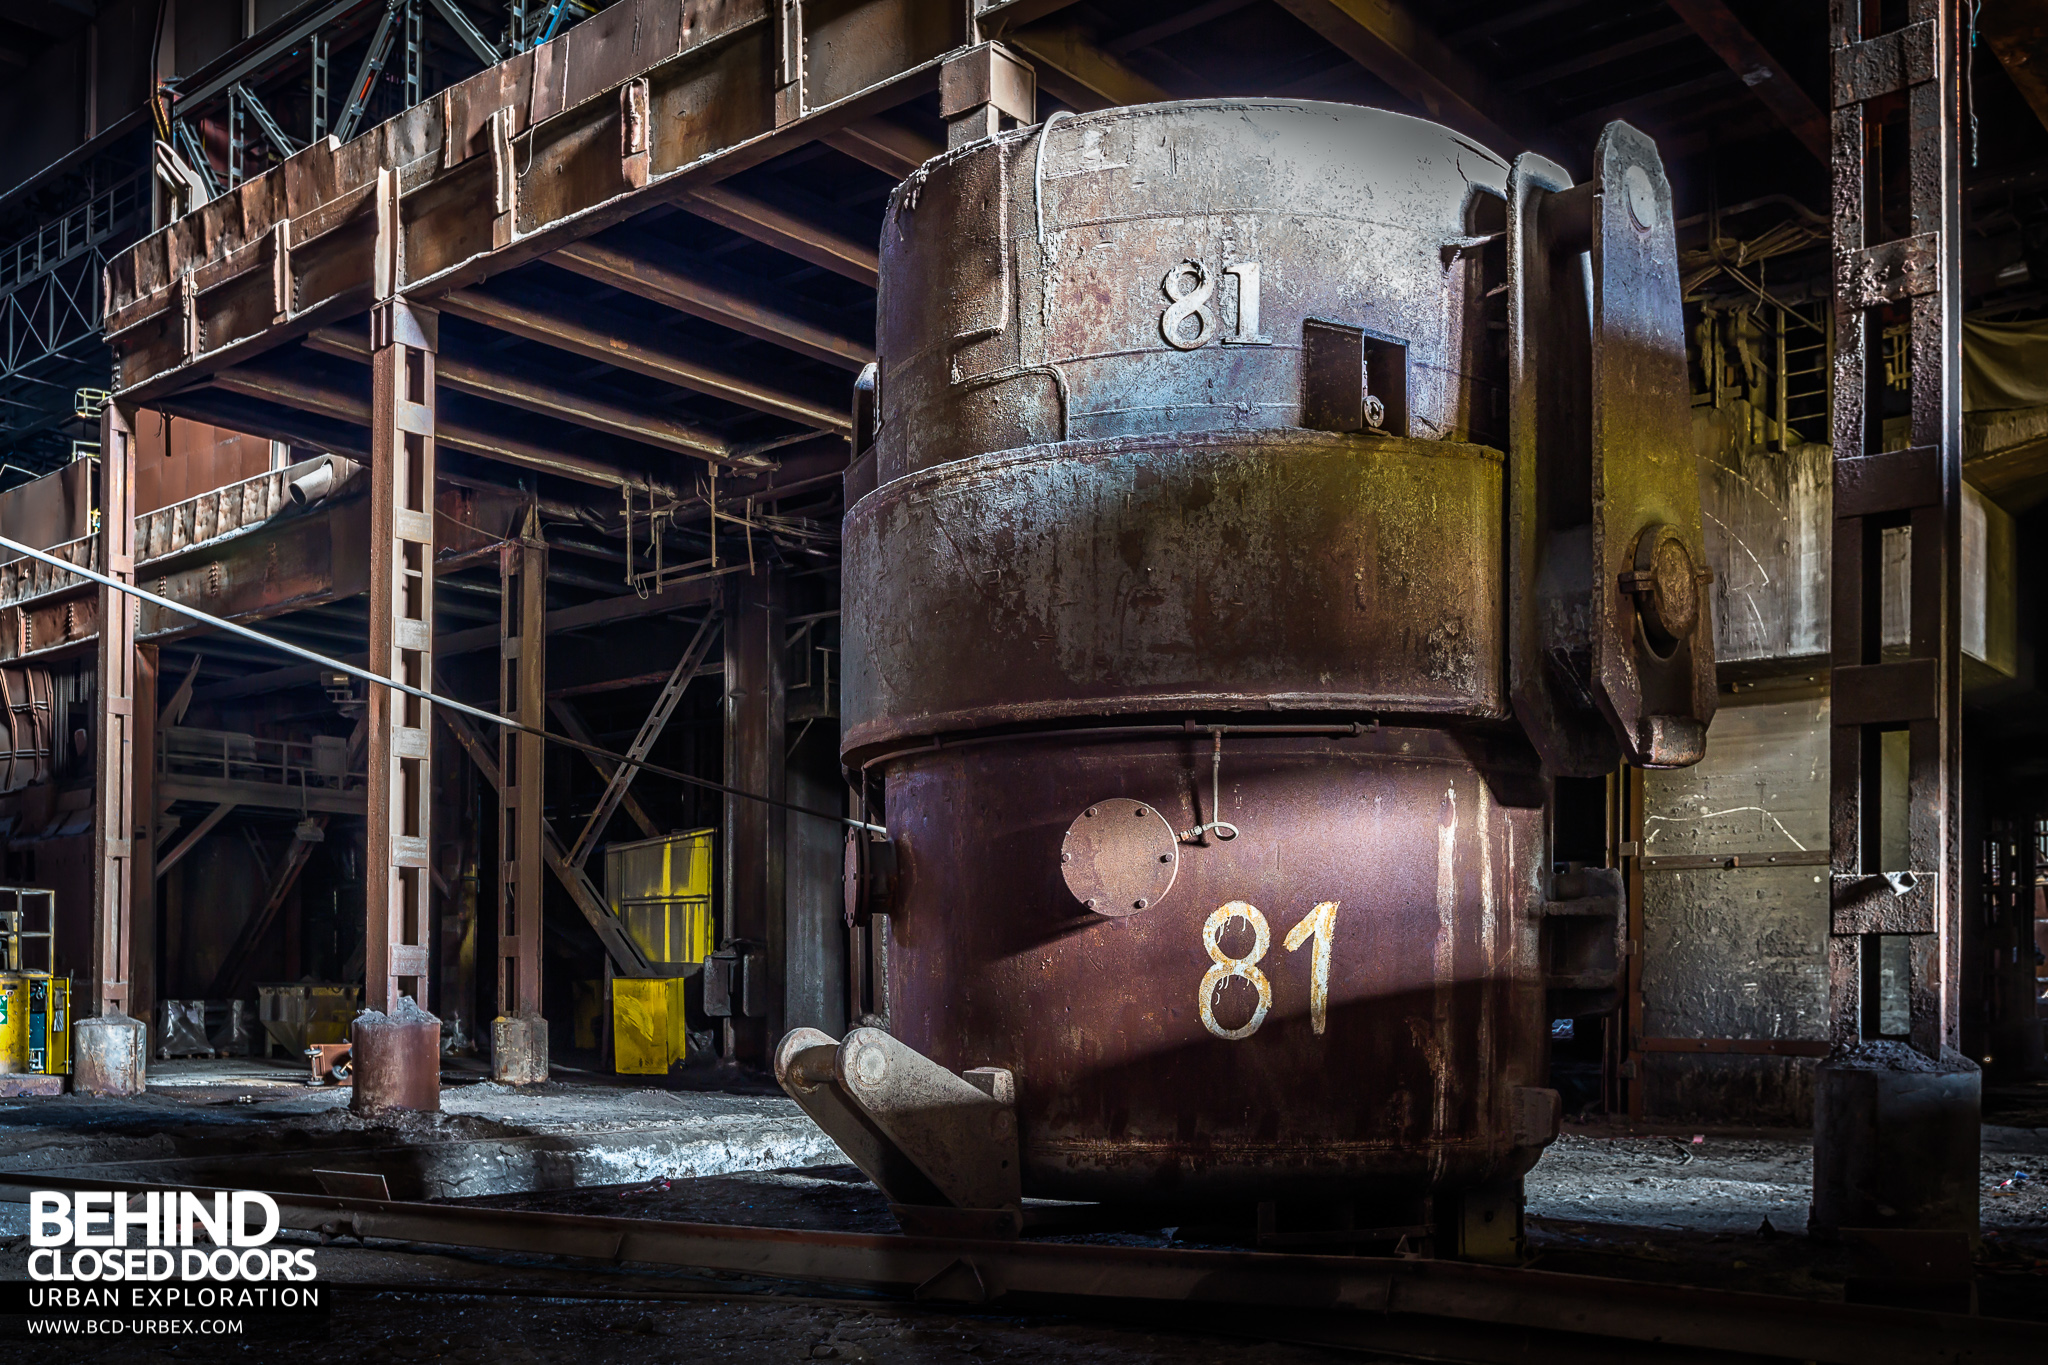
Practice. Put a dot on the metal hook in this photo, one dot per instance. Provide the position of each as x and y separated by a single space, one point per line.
1215 798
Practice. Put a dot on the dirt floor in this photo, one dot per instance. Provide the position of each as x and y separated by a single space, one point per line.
1720 1208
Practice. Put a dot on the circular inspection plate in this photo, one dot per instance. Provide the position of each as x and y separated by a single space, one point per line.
1119 857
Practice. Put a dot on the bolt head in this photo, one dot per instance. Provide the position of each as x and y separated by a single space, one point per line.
1642 196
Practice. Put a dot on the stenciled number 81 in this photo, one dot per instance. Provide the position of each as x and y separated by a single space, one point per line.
1319 924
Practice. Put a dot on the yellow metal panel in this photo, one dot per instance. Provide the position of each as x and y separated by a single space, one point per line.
698 933
695 878
53 1028
13 1023
650 1033
59 1063
661 890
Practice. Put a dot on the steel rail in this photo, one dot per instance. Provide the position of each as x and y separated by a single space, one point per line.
365 675
1360 1301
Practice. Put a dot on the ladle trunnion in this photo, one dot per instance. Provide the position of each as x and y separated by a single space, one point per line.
1258 503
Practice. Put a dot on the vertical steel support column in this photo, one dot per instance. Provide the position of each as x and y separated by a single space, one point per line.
789 61
754 866
519 1052
401 641
112 1048
142 955
415 53
237 144
114 756
319 113
1896 1114
397 1060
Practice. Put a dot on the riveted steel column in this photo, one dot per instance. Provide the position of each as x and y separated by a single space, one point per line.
112 1047
399 1070
1896 1121
142 847
114 756
519 1035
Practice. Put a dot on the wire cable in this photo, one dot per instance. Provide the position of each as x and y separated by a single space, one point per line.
298 651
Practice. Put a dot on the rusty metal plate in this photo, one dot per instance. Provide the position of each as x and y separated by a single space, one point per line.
1119 857
1256 570
1396 1024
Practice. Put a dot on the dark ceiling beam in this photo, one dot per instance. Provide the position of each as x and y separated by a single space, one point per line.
644 350
1731 127
1523 17
1173 25
1594 58
997 17
1394 45
605 611
480 379
353 407
218 407
1638 106
716 295
1766 78
1077 71
2017 31
787 232
889 147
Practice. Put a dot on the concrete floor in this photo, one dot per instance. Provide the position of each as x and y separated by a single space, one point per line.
1669 1206
230 1120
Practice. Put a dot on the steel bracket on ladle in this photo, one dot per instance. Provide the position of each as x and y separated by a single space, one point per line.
942 1147
1611 630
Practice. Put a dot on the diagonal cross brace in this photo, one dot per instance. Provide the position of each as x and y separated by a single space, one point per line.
227 981
574 728
626 957
205 827
650 731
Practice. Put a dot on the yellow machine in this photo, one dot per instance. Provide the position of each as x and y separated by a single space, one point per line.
35 1003
649 1031
661 890
301 1014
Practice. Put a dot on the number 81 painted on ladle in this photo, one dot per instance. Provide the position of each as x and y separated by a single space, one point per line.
1319 924
1189 287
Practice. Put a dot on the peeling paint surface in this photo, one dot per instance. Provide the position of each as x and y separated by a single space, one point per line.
1739 953
1125 1088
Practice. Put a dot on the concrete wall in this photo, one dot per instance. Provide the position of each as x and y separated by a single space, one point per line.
1766 517
1739 953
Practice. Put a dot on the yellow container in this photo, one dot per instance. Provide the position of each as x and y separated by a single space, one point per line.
35 1024
661 889
13 1023
49 1025
649 1031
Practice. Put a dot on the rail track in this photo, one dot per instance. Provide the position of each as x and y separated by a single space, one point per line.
1443 1310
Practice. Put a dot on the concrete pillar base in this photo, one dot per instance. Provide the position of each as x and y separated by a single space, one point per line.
109 1055
1895 1141
395 1060
519 1049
